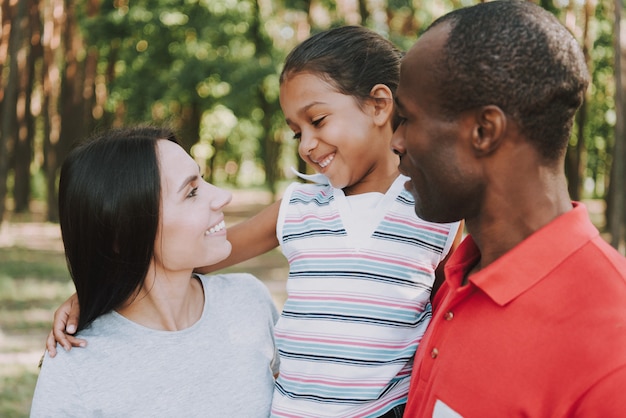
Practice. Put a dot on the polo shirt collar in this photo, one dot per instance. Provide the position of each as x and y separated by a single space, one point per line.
532 259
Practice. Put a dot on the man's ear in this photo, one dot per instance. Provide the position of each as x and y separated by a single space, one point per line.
382 101
489 129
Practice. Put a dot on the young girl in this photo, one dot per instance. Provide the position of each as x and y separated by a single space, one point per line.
361 263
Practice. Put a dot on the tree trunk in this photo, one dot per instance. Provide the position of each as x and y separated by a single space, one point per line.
270 147
617 218
52 52
25 119
5 22
190 120
91 72
576 156
8 137
72 85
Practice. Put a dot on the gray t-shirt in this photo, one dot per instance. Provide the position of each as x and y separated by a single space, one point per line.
222 366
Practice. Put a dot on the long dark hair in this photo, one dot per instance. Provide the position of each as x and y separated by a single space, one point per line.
109 204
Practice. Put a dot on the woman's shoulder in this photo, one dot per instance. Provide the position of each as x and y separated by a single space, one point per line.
238 292
238 282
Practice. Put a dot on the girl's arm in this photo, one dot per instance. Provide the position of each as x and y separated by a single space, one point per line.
63 326
250 238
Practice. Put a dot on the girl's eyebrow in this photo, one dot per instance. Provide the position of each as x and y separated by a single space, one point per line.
304 109
397 102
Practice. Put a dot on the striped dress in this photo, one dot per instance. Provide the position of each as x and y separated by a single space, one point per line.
358 300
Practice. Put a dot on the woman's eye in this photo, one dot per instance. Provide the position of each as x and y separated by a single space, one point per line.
193 192
297 136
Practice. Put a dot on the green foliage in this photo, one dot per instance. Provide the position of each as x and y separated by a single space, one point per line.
172 55
600 128
209 68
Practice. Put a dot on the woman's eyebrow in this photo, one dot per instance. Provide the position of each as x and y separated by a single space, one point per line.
187 181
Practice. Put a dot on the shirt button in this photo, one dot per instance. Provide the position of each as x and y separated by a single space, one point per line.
448 316
434 353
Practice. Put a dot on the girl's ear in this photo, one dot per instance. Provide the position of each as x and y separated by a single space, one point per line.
382 101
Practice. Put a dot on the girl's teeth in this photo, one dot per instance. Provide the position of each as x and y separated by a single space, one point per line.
326 161
216 228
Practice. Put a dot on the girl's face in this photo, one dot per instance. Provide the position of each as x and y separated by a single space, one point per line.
191 231
345 141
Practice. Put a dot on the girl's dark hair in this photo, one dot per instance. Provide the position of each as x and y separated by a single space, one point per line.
353 59
109 204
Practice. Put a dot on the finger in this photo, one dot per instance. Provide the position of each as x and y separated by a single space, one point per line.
72 317
76 342
51 344
58 330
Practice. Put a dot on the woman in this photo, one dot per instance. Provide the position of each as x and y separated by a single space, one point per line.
136 219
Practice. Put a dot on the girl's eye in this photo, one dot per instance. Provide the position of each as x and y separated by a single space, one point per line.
317 121
193 192
397 121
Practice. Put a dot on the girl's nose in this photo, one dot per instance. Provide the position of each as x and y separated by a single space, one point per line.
307 144
397 143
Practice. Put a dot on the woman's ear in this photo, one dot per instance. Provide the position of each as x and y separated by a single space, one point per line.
489 129
382 101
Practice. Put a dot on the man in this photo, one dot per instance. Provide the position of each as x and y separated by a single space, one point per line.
531 320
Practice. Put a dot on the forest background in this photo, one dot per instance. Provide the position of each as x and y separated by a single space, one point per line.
209 69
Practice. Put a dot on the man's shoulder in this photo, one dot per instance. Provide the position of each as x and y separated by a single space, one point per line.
612 257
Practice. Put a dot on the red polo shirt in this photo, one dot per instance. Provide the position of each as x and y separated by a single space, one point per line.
541 332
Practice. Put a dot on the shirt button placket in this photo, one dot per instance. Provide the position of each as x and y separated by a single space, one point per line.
434 353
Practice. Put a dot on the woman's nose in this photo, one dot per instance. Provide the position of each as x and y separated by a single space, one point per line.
219 197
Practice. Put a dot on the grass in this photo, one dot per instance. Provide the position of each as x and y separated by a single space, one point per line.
32 284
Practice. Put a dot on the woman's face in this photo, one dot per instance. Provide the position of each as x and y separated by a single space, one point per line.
191 231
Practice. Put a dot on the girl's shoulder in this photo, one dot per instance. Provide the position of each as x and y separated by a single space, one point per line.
308 192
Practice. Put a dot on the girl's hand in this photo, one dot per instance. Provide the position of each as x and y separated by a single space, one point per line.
64 325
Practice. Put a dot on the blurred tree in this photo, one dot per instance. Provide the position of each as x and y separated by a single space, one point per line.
209 69
17 24
616 207
576 155
53 53
23 153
